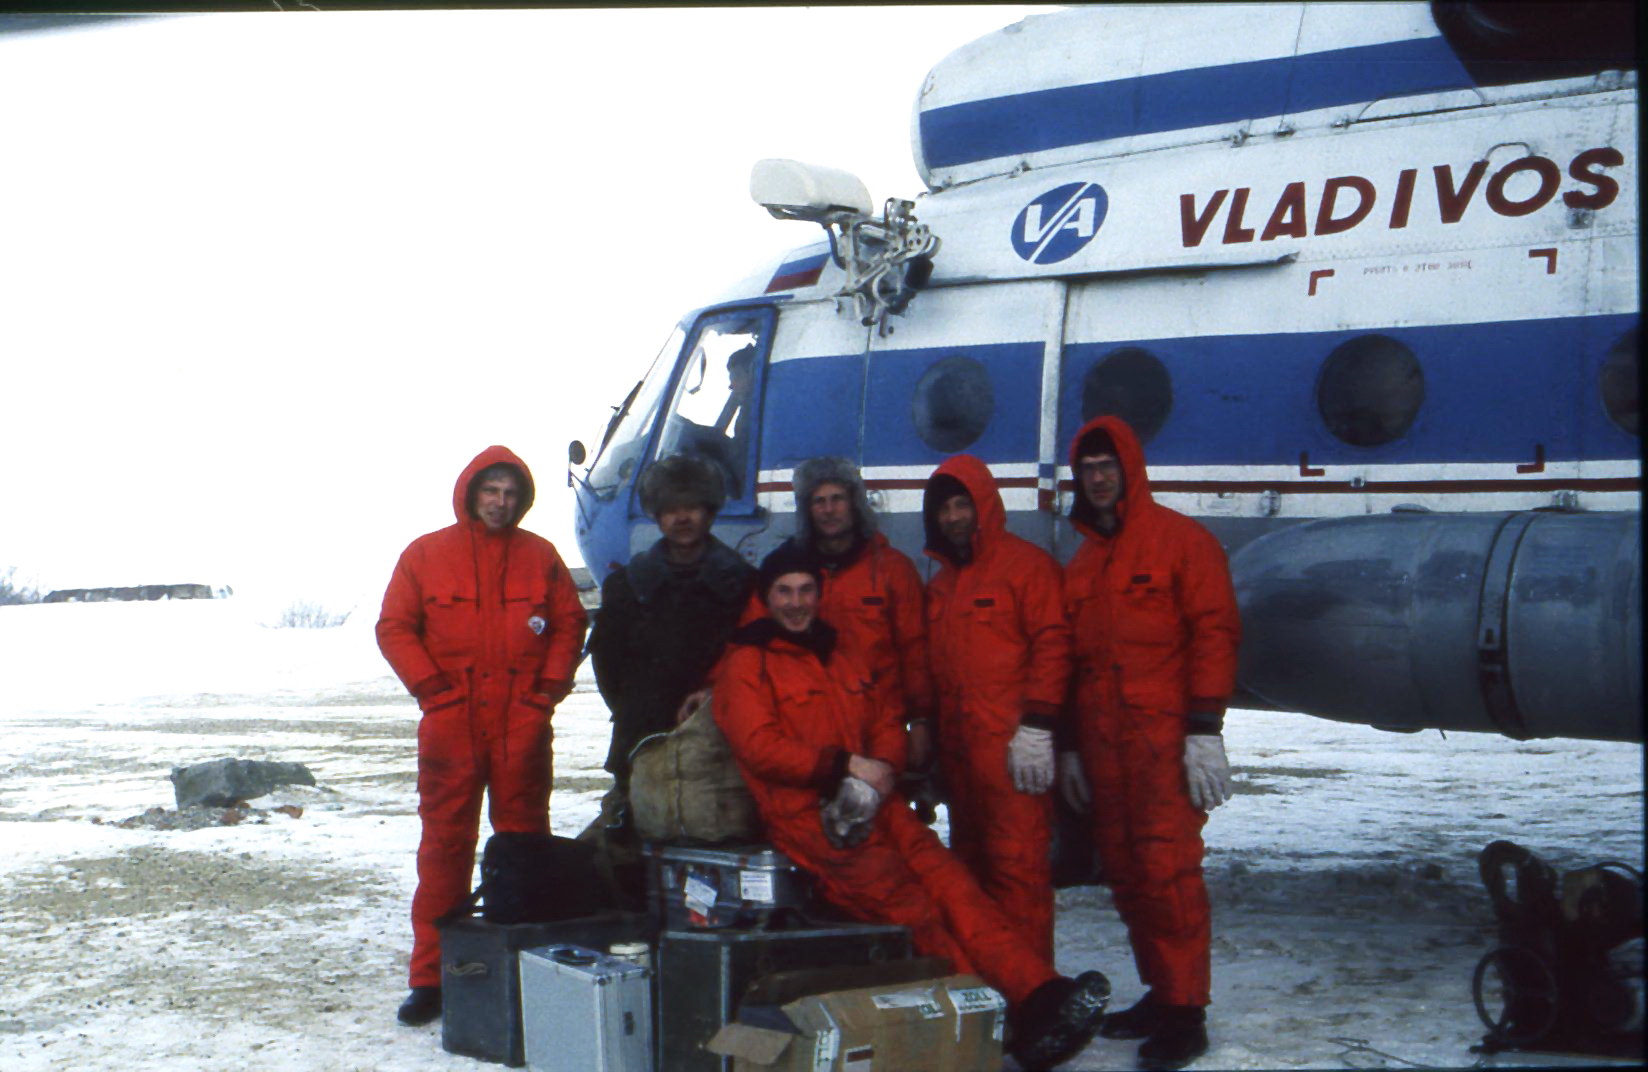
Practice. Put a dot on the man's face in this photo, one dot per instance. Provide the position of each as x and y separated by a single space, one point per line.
793 601
497 500
958 520
831 511
685 526
1101 480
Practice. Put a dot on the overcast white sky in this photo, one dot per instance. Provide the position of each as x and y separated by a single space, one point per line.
267 281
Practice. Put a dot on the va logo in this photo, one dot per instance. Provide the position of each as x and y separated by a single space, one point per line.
1056 225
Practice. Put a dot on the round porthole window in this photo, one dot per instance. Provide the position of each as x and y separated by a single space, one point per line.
1370 390
1131 384
954 403
1620 376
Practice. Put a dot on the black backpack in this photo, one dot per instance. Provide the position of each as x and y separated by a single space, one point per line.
536 878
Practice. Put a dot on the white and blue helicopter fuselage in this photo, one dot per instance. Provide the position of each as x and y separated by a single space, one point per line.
1375 320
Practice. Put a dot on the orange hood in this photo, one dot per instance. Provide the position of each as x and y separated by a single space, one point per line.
1136 495
461 502
980 483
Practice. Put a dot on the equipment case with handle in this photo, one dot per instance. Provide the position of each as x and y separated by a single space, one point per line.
727 886
704 974
585 1011
480 978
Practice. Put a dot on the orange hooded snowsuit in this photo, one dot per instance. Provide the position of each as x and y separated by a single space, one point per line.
486 630
1156 630
875 603
1000 651
793 716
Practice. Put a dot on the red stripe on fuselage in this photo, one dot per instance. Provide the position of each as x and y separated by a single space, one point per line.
1297 487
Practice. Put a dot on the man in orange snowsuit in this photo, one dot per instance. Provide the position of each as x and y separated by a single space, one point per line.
481 622
819 747
1001 661
1156 631
872 595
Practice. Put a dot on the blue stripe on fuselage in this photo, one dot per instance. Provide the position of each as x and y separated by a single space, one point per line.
812 409
1492 393
1184 100
1015 371
813 406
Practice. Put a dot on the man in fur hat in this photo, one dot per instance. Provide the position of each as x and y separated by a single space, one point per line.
665 617
872 593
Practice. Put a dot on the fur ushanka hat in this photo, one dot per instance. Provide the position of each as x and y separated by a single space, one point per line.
682 479
816 471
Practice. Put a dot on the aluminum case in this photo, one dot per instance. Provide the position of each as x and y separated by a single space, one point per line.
585 1011
728 886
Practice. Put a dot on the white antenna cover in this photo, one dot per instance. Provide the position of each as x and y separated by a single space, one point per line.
806 191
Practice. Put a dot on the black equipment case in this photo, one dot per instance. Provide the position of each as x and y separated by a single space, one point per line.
480 975
703 975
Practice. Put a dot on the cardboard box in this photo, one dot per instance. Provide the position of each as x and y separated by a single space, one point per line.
704 978
949 1024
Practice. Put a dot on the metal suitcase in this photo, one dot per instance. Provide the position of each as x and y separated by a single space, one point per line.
585 1011
732 886
703 975
480 983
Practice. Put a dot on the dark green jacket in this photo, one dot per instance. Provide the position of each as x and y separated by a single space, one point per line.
657 636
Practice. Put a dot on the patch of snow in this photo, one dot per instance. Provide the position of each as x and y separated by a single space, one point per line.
1347 910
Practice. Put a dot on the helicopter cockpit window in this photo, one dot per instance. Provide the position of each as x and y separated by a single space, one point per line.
626 433
1370 390
713 412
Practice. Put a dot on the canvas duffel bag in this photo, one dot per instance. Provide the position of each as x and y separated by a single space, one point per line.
685 786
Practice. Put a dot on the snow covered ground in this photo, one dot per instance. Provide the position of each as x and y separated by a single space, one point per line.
1348 914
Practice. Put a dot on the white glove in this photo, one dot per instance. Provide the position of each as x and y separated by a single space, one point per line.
1207 771
856 801
1030 760
850 814
1073 781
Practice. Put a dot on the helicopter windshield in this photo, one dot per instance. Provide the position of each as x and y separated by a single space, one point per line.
626 434
712 413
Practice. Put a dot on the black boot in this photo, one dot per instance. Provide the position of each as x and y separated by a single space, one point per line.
421 1006
1059 1019
1180 1037
1138 1022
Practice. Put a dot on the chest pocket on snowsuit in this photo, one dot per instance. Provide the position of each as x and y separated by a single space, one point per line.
1145 610
869 620
450 622
526 619
994 644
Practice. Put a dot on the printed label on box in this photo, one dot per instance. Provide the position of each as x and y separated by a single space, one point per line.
980 999
923 1001
700 895
756 886
859 1059
976 999
827 1045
